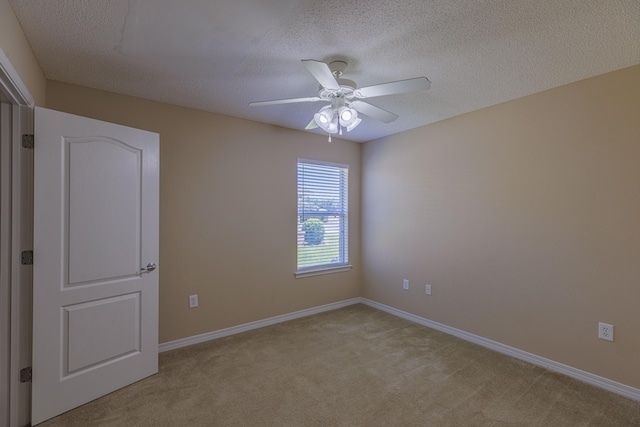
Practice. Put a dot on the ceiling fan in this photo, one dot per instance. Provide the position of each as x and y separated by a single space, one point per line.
344 97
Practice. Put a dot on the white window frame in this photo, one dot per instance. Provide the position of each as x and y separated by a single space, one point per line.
343 264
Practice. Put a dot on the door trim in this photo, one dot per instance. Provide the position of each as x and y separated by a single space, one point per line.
11 84
18 119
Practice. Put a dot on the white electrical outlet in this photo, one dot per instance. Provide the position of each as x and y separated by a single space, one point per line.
427 289
193 301
605 331
405 284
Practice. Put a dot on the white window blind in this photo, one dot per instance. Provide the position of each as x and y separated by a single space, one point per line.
322 215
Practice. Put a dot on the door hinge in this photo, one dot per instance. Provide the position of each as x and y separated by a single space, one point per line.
27 141
25 375
27 258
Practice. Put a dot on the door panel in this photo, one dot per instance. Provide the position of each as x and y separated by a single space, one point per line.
95 226
95 188
98 332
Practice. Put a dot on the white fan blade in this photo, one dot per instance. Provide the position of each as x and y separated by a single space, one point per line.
312 124
286 101
391 88
322 73
373 111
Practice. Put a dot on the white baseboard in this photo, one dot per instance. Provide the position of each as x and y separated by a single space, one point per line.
196 339
613 386
595 380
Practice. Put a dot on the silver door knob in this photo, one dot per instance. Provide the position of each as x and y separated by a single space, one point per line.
150 267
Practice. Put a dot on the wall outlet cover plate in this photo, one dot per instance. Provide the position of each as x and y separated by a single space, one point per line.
605 331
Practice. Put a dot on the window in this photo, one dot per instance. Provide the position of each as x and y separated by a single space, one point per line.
322 218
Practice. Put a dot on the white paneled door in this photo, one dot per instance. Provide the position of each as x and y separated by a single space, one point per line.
95 296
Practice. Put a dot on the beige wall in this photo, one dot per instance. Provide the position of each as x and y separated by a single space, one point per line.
524 218
227 211
15 46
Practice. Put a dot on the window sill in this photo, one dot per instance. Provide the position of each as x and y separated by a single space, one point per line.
322 270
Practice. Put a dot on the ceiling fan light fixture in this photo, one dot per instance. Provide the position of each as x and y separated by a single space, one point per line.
345 114
353 125
333 126
332 118
326 119
324 116
348 118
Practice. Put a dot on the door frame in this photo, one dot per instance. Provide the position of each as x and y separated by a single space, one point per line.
17 203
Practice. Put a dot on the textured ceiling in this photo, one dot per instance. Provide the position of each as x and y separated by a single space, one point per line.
219 56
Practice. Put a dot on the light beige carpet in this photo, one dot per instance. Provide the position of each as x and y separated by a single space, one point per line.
356 366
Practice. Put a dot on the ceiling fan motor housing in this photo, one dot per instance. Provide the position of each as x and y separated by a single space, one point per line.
337 67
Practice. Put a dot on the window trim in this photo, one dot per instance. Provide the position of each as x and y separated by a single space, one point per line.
317 270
